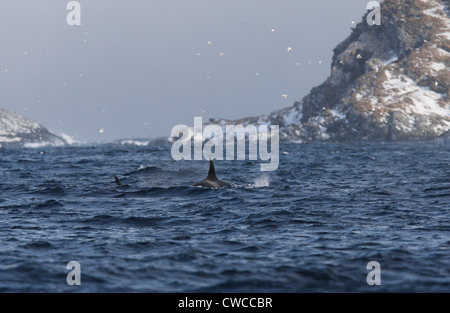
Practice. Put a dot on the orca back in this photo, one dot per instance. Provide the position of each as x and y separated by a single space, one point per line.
211 180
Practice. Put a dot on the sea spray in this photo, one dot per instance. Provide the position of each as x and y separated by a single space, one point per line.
262 181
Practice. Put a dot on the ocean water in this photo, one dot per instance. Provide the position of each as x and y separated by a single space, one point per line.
311 226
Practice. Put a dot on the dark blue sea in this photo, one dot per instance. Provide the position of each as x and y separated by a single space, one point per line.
311 226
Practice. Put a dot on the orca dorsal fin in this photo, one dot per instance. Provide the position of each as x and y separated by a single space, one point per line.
212 171
117 181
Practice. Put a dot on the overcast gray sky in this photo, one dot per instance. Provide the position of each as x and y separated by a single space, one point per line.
136 68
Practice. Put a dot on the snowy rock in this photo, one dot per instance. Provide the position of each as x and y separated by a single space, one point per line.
19 131
387 83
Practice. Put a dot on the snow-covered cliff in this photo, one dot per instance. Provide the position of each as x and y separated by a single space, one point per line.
388 82
17 130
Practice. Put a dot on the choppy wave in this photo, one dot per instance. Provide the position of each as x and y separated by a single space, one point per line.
312 225
143 142
135 142
36 145
70 140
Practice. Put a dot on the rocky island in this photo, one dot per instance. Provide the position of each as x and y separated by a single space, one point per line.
19 131
388 82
